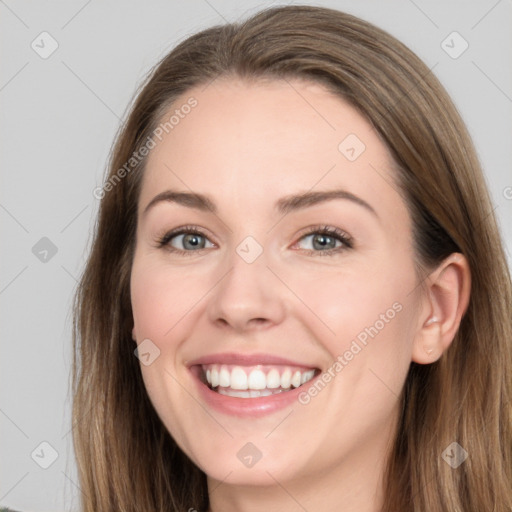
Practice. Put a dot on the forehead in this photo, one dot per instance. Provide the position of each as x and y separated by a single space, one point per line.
251 142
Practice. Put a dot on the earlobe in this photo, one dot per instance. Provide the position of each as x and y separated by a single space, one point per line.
430 347
134 334
427 345
448 292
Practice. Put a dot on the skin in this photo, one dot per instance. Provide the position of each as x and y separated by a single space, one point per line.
246 145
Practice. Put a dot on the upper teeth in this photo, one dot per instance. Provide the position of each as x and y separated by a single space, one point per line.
259 377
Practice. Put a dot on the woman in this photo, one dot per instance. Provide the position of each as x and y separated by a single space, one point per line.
376 377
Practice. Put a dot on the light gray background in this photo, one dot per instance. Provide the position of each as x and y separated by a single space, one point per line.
60 115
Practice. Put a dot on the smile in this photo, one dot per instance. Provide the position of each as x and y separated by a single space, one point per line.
249 385
254 381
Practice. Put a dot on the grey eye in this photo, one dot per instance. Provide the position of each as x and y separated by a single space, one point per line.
189 241
322 241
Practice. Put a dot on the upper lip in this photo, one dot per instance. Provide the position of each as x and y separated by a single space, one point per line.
246 360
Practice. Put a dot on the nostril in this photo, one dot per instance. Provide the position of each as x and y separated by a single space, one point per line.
259 320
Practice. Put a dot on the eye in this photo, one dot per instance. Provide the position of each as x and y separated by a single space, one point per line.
186 239
324 241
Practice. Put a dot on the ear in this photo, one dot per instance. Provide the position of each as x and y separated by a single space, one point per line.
134 334
446 300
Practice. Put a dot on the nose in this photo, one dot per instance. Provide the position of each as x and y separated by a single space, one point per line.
248 297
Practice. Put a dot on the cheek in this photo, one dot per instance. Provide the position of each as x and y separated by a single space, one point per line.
347 304
161 297
363 318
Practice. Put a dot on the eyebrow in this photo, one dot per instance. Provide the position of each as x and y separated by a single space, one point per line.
284 205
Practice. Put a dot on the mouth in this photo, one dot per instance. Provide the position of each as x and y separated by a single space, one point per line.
250 385
256 381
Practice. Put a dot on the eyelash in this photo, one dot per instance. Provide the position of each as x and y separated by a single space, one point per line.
346 240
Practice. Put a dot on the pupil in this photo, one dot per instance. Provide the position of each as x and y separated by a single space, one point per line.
191 239
322 241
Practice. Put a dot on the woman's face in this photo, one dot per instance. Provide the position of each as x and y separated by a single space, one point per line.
270 281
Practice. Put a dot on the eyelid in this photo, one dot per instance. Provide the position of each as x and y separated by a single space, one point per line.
343 237
164 239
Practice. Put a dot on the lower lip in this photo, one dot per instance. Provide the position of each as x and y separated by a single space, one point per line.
246 407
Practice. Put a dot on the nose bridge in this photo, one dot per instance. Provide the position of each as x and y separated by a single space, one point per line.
248 291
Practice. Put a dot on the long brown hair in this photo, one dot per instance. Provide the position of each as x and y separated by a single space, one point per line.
127 461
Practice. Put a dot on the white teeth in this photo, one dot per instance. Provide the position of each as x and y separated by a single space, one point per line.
215 377
273 379
296 379
257 380
286 379
246 394
224 378
238 394
236 381
306 376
